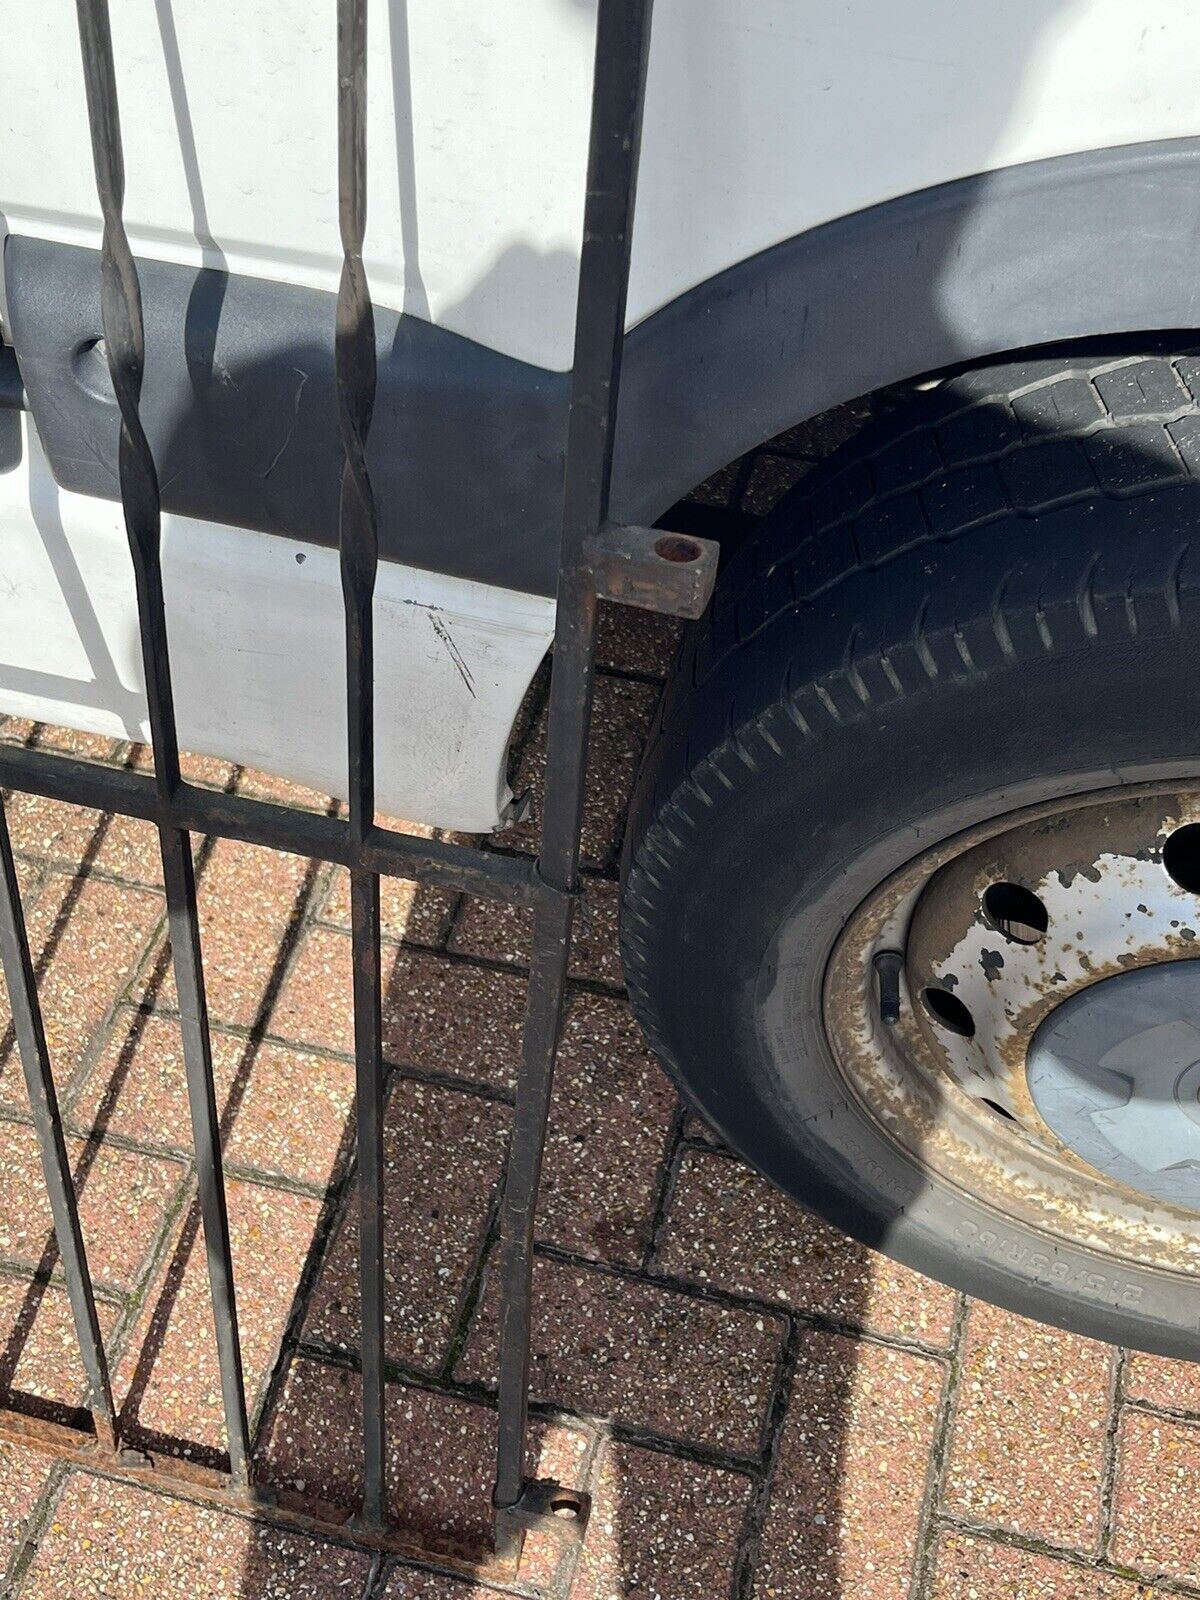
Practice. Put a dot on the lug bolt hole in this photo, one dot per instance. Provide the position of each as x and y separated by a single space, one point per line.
1181 857
1017 913
948 1011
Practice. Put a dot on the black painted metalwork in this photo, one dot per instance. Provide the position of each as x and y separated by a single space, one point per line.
232 816
622 48
56 1168
638 565
124 338
358 542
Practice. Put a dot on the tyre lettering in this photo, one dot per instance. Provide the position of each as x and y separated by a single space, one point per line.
1061 1273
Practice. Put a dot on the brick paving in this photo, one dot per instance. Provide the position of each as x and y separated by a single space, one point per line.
762 1409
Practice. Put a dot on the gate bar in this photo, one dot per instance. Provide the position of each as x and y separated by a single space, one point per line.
622 50
358 543
56 1168
124 337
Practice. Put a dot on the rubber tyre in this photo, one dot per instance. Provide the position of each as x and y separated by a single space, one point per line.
988 600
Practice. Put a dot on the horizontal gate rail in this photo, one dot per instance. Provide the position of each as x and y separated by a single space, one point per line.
435 862
672 573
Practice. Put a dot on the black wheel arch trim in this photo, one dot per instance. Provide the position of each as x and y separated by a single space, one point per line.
467 442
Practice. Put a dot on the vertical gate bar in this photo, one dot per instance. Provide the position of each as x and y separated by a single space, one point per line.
622 49
124 337
179 877
365 930
358 543
56 1169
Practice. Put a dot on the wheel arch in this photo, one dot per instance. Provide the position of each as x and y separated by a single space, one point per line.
1083 246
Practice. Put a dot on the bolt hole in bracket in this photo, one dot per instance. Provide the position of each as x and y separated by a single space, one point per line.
656 571
545 1506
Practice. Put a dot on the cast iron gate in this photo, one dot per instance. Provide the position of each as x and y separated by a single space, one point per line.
667 573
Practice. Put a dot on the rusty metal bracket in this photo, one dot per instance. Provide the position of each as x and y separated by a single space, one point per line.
545 1506
653 569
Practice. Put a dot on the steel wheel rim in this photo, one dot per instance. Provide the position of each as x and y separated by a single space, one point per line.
949 1081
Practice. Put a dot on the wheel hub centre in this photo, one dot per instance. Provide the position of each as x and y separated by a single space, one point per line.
1115 1072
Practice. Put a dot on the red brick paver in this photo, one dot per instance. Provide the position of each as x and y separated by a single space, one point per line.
1027 1449
978 1569
729 1227
247 899
1173 1385
24 1476
504 933
852 1472
449 1019
1157 1499
169 1382
285 1111
660 1526
443 1154
107 1538
40 1369
412 1583
86 938
612 1114
124 1201
653 1358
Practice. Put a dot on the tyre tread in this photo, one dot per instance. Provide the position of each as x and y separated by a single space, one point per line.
1011 441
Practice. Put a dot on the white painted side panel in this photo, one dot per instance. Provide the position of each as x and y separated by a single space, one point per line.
257 651
764 118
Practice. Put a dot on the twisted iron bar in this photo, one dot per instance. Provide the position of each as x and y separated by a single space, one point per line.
358 545
122 319
125 349
355 377
125 345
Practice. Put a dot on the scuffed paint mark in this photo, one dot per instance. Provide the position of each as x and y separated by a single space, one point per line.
303 376
444 634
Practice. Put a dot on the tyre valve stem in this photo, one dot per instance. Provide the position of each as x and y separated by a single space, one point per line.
888 966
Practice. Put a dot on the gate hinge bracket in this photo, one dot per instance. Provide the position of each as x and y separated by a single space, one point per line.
545 1506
